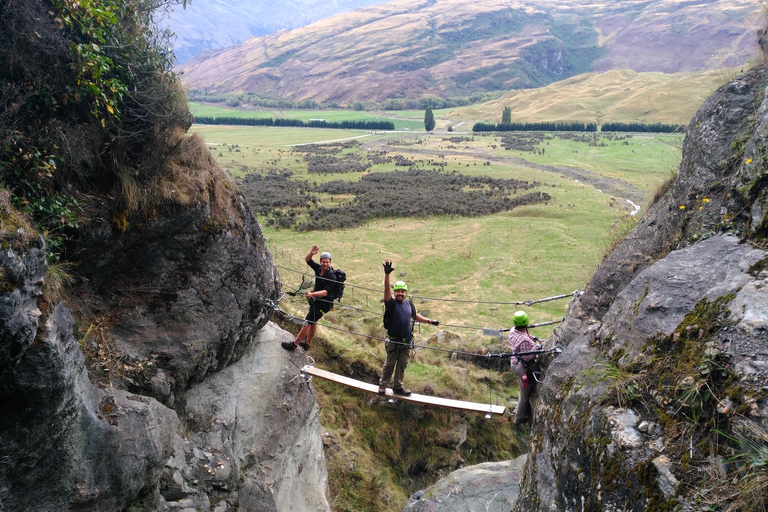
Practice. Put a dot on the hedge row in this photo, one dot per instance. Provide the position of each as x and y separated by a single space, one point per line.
527 127
642 127
268 121
579 127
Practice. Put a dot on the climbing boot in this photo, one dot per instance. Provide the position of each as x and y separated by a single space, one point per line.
382 389
288 345
402 391
305 345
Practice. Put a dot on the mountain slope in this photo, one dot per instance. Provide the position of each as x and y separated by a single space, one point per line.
215 24
413 48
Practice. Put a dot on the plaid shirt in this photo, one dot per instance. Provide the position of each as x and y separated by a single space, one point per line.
520 342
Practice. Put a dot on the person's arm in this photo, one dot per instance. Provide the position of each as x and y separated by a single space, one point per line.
388 268
314 250
426 320
318 293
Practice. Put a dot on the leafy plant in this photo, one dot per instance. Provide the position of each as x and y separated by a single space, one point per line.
97 107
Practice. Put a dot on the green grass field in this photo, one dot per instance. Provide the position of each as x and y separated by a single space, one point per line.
528 253
466 272
403 120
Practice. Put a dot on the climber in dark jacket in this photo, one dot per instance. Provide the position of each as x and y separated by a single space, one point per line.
319 299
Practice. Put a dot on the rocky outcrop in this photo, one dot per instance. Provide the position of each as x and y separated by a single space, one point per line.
670 336
186 298
139 372
60 436
184 291
599 436
491 486
251 436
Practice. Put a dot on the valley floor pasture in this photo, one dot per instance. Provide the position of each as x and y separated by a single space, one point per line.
597 185
467 271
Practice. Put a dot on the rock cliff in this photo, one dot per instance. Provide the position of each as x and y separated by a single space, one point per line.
661 395
140 370
214 418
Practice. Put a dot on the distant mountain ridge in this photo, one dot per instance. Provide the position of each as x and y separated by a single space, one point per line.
216 24
451 48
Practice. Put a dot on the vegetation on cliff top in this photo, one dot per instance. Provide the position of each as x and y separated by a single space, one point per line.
89 105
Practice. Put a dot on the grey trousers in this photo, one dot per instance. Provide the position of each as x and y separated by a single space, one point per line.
397 360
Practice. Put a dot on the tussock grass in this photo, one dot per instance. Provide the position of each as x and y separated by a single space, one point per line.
58 279
622 384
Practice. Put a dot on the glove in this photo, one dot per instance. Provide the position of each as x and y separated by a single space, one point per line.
434 322
388 268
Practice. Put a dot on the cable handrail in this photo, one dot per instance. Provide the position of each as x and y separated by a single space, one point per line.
575 293
275 304
486 330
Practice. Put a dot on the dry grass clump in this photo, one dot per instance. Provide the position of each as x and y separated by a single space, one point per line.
16 230
58 280
751 458
622 384
107 365
191 176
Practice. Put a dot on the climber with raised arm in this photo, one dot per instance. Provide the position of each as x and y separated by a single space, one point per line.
399 315
320 299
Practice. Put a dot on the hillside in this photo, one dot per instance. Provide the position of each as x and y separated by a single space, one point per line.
215 24
619 95
453 48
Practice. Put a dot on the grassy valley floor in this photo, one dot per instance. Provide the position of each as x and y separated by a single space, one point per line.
466 271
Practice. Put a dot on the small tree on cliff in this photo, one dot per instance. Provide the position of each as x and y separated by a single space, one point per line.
506 116
429 120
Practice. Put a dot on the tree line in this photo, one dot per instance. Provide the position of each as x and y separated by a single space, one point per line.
237 99
314 123
506 126
558 126
642 127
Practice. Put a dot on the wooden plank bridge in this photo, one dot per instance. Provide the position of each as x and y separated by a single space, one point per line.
420 399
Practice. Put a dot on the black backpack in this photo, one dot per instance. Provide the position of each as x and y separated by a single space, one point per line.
338 289
389 313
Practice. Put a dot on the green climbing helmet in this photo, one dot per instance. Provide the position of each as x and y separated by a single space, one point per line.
400 285
520 319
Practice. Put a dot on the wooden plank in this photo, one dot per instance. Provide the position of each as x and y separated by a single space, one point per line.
414 397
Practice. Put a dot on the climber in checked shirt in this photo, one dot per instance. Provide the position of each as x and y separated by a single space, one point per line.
523 366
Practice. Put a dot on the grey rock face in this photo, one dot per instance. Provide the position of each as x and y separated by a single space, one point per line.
25 275
578 440
183 291
252 430
59 435
491 487
247 434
